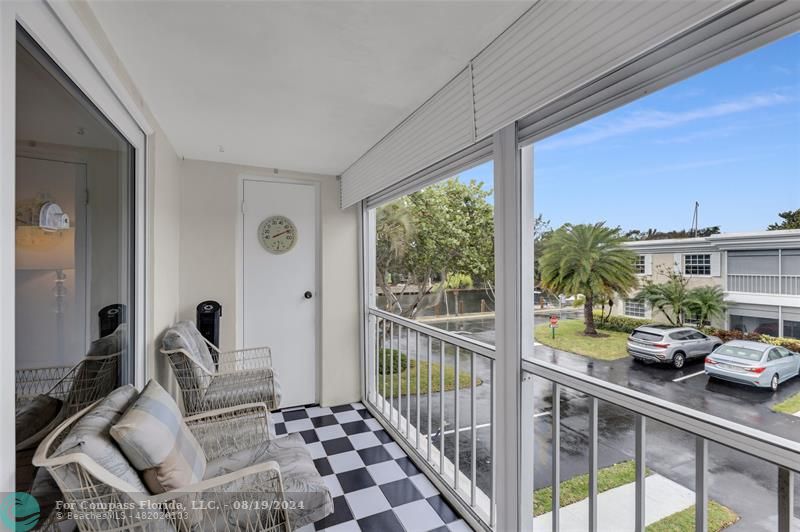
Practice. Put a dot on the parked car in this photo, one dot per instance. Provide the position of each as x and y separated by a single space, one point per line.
669 344
753 363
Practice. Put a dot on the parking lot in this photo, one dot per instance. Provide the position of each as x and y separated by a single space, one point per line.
745 484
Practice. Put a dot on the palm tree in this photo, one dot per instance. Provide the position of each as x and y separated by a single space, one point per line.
706 302
670 297
587 259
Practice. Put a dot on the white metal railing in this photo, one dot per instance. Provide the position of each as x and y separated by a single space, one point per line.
764 283
783 453
419 419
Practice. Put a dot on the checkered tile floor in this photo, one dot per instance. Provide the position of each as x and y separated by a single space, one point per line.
375 486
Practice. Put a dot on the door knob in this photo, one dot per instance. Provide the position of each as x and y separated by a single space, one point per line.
307 295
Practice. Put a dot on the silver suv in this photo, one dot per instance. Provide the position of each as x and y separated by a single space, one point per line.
666 343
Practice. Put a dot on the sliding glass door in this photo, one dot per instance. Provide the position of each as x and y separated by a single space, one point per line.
74 227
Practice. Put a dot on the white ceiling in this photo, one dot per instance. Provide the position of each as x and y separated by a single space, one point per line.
306 86
48 112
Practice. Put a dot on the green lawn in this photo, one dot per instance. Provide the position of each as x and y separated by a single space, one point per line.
577 488
449 379
789 406
719 517
569 337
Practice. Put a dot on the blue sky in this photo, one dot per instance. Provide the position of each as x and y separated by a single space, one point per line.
728 138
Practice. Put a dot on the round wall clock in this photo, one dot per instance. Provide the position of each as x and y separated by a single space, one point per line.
277 234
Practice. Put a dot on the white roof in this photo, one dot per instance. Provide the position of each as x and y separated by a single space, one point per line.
785 239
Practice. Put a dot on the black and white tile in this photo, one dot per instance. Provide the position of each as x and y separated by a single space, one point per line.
375 486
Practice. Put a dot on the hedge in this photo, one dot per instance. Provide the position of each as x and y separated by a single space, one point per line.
396 364
627 325
792 344
619 323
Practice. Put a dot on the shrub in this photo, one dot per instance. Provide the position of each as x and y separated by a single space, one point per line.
395 361
792 344
619 323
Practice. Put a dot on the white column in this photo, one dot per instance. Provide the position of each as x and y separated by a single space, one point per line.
513 466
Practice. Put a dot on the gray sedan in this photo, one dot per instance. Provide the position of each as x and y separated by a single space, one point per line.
666 343
753 363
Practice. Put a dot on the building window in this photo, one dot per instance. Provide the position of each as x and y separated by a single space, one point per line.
639 265
791 329
697 264
634 308
752 324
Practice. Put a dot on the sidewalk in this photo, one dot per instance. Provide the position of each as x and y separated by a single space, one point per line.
616 507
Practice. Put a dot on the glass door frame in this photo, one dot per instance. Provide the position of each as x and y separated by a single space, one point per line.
63 35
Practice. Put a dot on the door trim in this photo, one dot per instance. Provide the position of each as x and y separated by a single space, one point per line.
63 35
239 250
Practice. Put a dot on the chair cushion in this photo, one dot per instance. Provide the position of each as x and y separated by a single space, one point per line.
307 494
255 386
90 435
184 335
34 415
110 344
156 440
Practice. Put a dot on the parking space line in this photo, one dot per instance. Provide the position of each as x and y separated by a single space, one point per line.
688 376
463 429
540 414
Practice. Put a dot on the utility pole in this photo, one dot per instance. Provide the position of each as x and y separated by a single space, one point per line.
695 218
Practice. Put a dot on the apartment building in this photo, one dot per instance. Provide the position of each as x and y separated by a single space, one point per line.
758 271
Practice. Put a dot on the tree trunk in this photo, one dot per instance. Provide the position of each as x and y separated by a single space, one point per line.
588 316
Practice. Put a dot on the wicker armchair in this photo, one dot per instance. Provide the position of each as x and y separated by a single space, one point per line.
78 387
210 379
251 497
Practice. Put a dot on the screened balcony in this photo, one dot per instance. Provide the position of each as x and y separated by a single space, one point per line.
352 194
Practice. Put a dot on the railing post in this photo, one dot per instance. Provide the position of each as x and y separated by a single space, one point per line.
456 421
555 453
785 499
641 469
419 429
701 485
593 464
441 408
473 422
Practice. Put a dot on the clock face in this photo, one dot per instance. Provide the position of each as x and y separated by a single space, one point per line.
277 234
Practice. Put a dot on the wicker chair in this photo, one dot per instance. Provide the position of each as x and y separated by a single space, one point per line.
78 387
250 497
210 379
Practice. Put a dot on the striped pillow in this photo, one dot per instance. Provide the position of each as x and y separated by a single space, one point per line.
156 440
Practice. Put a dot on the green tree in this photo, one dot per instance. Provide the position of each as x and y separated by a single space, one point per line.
450 232
587 259
670 297
394 231
791 220
706 302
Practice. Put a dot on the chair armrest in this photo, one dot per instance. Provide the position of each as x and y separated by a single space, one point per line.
35 381
228 430
251 498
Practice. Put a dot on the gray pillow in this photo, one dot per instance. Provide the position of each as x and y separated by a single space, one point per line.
34 415
90 436
156 440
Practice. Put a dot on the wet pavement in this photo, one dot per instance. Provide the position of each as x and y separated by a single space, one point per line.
746 484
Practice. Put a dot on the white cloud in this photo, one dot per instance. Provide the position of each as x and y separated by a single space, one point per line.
652 119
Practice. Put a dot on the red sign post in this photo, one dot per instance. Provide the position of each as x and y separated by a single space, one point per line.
553 324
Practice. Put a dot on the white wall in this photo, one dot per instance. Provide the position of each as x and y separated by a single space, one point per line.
163 206
164 293
209 215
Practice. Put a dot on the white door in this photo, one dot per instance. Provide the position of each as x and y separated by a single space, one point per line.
279 286
52 313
